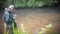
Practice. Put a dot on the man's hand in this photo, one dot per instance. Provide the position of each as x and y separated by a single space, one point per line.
14 16
5 25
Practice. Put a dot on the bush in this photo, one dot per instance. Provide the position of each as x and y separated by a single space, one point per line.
31 3
2 4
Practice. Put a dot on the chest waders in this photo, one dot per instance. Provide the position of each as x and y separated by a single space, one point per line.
11 28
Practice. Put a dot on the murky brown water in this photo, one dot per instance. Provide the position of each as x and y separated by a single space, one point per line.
33 20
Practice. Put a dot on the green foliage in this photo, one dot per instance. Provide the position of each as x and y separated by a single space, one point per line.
39 3
46 29
49 2
2 4
31 3
28 3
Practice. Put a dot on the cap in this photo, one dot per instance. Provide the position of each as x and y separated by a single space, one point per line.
11 6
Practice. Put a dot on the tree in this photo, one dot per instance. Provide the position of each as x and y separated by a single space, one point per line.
31 3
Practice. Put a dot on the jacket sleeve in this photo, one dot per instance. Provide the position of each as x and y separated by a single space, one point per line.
6 17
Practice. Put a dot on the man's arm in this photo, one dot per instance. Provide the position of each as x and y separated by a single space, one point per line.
7 19
6 16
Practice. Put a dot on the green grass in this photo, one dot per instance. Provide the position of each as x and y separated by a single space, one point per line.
45 30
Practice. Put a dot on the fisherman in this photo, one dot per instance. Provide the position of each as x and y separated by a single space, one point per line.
8 18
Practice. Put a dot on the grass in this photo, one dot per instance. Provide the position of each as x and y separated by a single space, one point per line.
22 30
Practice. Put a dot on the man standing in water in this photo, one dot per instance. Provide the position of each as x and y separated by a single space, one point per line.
8 18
